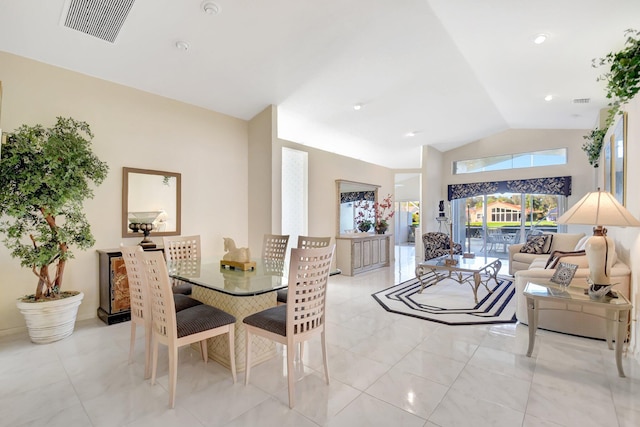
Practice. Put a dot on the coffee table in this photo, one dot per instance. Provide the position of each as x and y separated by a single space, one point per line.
466 270
616 312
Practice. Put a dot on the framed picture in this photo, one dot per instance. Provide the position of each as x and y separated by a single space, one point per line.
619 160
607 164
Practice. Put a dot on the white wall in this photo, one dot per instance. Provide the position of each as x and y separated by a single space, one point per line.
133 129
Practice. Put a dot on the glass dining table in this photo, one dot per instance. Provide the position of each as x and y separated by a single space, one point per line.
240 293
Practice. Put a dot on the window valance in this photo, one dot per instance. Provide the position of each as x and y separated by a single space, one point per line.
560 185
354 196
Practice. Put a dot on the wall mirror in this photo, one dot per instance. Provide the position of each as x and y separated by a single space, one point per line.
150 196
348 193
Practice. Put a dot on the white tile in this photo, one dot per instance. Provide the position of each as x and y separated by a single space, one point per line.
457 409
436 368
271 412
410 392
367 411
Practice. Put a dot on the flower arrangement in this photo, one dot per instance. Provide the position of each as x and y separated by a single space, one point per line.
375 214
384 211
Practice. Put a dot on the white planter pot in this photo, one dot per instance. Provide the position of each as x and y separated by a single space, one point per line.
50 321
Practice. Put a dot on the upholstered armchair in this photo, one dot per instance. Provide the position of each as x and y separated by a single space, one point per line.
437 244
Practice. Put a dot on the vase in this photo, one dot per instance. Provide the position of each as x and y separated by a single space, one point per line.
381 228
50 321
364 227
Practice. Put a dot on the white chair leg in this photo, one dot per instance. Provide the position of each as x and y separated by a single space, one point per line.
132 342
247 358
203 350
232 351
147 352
325 359
154 360
173 375
291 373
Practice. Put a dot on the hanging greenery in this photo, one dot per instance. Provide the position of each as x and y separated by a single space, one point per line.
623 83
593 146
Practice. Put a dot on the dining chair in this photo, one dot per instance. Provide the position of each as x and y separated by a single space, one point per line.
177 329
304 242
274 246
181 248
303 317
139 302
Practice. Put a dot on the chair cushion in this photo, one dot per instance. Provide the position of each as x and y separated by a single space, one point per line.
180 287
272 319
282 296
535 244
201 318
569 257
182 302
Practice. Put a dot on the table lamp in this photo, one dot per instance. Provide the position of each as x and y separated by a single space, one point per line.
599 208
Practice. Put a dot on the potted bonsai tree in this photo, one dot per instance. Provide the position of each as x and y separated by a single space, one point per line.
45 175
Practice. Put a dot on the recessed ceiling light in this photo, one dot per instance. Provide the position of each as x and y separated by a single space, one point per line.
540 38
182 45
548 97
357 107
210 8
410 134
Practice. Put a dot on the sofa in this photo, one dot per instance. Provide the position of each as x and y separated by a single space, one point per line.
559 242
540 269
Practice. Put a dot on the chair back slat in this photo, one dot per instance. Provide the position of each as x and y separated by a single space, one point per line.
163 312
307 291
181 248
274 246
138 287
308 242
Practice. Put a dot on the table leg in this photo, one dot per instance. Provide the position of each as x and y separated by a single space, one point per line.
621 334
611 319
476 285
532 313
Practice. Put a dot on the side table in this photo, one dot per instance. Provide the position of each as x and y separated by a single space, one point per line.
616 312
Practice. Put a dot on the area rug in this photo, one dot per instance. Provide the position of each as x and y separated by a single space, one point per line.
452 303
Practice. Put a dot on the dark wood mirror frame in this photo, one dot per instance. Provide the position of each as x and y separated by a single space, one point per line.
126 232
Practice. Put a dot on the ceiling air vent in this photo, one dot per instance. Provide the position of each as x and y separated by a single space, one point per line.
581 100
98 18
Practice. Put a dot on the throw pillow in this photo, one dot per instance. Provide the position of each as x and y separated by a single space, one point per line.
535 244
547 245
564 274
581 243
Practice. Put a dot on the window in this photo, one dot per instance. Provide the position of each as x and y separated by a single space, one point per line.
512 161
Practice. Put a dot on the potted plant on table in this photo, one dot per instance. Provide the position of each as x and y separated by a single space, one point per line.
45 175
384 212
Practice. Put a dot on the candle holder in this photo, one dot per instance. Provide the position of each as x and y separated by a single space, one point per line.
146 228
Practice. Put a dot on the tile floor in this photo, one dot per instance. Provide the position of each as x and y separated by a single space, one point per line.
386 369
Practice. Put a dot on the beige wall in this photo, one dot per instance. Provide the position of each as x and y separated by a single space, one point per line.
133 129
628 239
230 169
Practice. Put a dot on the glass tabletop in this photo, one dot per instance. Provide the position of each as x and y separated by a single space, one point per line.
570 293
266 276
476 263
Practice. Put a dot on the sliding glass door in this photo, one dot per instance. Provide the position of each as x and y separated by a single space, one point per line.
488 224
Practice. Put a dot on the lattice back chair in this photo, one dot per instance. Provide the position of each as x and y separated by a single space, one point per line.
304 242
303 317
274 246
182 248
140 303
176 329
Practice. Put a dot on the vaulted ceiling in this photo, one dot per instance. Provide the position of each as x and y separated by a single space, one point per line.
447 72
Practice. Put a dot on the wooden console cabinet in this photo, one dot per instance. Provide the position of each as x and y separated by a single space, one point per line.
114 287
360 252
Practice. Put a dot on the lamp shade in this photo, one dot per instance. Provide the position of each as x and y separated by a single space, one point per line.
599 208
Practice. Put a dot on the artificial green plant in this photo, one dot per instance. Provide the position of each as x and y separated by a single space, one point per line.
45 175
